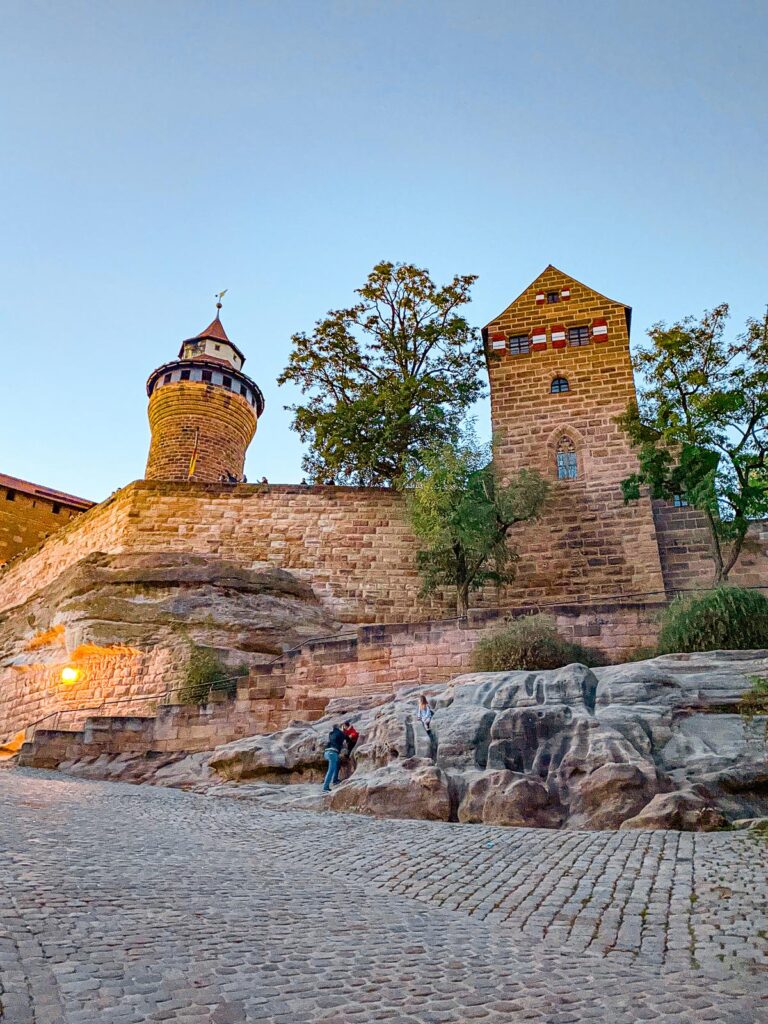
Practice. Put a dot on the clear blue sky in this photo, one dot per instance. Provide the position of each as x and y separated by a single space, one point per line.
157 152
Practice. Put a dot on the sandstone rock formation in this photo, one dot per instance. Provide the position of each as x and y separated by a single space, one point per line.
144 599
656 744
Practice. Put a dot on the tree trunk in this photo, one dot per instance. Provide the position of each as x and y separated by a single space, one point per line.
462 600
715 550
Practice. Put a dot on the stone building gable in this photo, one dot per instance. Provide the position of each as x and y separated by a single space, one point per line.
560 373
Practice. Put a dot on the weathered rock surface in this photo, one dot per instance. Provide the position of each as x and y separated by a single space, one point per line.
145 599
409 788
656 744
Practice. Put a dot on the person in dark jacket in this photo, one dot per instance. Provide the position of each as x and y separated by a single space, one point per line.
332 753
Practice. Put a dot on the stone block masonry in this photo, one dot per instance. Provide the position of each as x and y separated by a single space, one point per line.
300 685
185 414
560 373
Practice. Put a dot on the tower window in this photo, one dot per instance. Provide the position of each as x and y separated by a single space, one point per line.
10 495
185 374
553 297
227 382
519 345
167 379
559 386
243 390
578 335
207 376
56 508
567 465
217 347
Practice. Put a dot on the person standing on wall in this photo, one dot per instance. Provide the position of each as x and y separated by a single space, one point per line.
332 753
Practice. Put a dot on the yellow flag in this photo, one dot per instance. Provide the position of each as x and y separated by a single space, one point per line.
193 459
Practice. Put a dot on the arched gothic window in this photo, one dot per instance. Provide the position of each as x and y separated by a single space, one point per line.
559 385
567 464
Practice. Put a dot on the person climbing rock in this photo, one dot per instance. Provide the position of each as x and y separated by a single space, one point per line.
332 753
425 714
351 734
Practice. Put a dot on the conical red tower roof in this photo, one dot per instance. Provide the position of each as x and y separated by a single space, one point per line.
215 329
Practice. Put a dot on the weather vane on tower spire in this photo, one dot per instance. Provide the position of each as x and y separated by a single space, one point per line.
219 297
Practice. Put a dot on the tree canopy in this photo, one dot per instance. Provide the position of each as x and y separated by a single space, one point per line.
385 379
461 517
701 425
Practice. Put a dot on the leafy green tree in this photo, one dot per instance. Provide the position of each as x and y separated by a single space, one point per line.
461 516
701 425
385 379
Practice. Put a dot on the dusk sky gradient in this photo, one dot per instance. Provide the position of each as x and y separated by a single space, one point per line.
157 152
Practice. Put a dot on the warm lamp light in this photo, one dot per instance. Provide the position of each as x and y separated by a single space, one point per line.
69 674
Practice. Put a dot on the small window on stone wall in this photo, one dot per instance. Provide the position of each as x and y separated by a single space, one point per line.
10 495
567 465
559 386
553 297
519 345
55 508
578 336
680 501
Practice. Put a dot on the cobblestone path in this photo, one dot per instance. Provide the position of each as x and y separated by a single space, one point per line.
124 904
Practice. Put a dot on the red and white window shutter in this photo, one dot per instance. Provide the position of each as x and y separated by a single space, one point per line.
600 330
538 339
565 293
558 336
498 342
540 298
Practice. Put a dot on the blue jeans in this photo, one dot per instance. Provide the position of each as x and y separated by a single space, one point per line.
332 775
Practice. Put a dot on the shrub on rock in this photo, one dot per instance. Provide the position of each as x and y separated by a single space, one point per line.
531 642
725 619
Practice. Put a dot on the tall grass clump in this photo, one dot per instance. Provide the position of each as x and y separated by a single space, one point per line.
206 673
530 642
727 619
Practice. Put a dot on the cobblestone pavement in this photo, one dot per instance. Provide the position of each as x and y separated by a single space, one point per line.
123 904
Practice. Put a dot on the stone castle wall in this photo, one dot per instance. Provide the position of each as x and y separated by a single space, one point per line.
114 680
684 547
302 685
25 520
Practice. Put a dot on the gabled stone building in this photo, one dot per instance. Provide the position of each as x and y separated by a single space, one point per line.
560 373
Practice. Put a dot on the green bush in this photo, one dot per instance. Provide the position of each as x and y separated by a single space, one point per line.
530 642
755 702
206 673
727 619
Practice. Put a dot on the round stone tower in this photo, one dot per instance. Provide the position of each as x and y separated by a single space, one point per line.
202 411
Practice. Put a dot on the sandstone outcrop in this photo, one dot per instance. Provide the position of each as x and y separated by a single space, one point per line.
656 744
143 599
